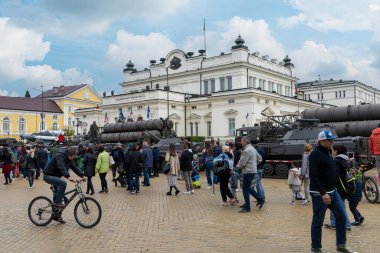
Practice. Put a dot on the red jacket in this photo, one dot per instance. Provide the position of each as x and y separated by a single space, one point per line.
374 142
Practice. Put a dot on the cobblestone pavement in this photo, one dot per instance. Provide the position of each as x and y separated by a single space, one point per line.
154 222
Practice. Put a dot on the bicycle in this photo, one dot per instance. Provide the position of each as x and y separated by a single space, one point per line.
41 210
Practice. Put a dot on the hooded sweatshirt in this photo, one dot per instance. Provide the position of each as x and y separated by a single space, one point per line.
374 141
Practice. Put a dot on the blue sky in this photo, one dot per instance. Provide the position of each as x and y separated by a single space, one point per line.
54 42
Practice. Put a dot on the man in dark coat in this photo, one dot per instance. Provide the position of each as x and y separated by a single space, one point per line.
132 163
186 167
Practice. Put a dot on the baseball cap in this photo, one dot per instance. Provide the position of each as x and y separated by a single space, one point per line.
326 135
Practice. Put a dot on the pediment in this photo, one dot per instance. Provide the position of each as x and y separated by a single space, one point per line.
175 116
208 115
193 116
231 112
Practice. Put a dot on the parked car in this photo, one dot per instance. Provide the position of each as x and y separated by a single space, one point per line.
45 136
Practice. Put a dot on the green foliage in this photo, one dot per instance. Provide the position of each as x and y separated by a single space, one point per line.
197 138
69 132
27 94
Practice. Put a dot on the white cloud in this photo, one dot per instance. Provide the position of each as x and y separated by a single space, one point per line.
256 34
20 49
78 18
314 59
6 93
138 48
340 15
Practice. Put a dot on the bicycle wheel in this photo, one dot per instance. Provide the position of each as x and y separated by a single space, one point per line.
371 191
87 212
40 211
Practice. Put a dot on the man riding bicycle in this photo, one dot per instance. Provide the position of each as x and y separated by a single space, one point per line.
57 167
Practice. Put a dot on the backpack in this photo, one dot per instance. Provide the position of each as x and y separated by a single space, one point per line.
220 167
349 186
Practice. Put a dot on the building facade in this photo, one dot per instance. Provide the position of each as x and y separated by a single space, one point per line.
338 92
205 96
28 115
70 98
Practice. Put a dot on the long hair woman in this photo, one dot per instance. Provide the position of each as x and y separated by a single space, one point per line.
207 159
172 158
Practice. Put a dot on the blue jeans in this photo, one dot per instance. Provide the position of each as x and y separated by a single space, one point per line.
208 174
248 189
319 211
146 172
133 183
333 220
59 185
259 186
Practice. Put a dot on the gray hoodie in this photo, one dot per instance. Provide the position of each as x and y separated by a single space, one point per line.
249 160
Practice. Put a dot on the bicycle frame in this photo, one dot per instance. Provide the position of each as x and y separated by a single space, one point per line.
77 191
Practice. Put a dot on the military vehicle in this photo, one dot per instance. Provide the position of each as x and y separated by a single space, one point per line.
283 139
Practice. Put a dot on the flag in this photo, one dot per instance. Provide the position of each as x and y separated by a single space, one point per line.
296 88
204 24
148 113
106 118
246 116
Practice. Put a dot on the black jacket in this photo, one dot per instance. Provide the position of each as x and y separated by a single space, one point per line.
323 174
132 162
59 166
186 160
341 170
118 155
261 152
32 163
89 163
42 157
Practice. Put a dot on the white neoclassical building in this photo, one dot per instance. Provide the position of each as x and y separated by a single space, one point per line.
339 92
204 96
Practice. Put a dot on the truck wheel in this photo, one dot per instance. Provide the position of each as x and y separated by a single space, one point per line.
281 170
371 190
268 170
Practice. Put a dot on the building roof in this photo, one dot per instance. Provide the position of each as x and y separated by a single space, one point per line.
28 104
61 91
333 82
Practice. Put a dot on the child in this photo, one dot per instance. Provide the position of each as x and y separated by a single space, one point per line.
294 181
195 172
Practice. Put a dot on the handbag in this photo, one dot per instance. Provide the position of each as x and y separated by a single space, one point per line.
166 169
112 161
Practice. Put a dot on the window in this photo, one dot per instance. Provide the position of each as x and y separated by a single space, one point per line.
21 125
258 100
84 116
139 107
191 129
69 121
308 95
55 117
208 128
267 101
194 107
231 101
196 128
205 86
209 105
318 96
274 103
229 83
336 94
344 93
322 95
222 84
43 125
129 108
340 94
261 84
173 106
6 124
212 85
70 108
231 127
84 131
250 82
176 128
55 126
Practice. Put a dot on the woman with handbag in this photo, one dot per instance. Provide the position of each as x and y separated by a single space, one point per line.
172 159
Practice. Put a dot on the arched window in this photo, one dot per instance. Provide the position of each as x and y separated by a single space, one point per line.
21 125
55 126
6 124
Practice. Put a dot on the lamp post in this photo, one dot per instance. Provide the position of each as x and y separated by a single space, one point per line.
167 90
42 107
77 125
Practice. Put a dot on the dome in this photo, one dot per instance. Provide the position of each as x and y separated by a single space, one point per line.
239 40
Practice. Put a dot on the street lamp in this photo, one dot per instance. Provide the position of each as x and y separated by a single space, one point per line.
79 123
42 105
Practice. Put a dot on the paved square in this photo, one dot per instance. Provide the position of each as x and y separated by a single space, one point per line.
154 222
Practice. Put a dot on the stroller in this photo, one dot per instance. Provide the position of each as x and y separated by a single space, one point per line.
122 178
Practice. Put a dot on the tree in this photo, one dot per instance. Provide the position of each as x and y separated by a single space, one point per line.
27 94
94 132
69 132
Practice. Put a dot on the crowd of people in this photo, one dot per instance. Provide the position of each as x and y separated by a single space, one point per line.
328 175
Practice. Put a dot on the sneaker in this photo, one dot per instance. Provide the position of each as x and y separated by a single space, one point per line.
209 187
177 192
348 229
137 193
291 203
169 193
329 226
102 192
345 249
30 187
59 219
188 193
244 210
361 220
320 250
192 191
306 202
261 203
242 206
131 193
